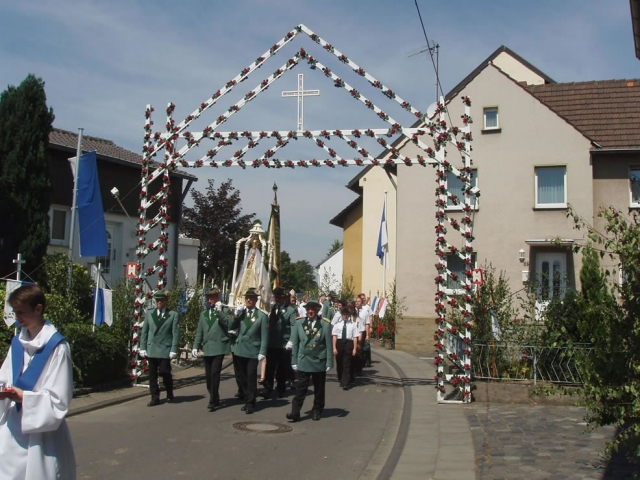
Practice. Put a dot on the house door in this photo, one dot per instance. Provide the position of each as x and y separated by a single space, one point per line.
551 278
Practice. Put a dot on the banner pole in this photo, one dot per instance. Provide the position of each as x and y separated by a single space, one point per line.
74 205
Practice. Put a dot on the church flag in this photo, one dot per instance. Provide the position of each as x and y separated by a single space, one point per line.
273 237
9 315
91 224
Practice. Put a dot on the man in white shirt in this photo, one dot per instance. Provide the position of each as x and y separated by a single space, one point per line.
367 309
364 326
338 305
345 345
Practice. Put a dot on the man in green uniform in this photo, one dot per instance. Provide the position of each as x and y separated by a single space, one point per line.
213 336
312 358
281 319
252 325
159 342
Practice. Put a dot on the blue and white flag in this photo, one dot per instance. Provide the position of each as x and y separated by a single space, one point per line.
383 240
374 306
9 315
91 225
104 311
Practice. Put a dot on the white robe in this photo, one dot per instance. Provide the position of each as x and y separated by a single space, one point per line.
35 442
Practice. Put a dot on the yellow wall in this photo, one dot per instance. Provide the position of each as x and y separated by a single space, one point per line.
352 247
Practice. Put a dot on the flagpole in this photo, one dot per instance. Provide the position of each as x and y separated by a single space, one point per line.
74 205
95 300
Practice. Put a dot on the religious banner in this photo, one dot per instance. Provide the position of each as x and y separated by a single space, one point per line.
9 315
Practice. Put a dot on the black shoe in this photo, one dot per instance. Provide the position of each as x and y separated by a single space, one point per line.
212 408
368 365
170 399
244 408
266 393
316 416
346 387
293 417
153 402
249 409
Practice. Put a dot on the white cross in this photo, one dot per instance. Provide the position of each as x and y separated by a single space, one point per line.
300 93
19 261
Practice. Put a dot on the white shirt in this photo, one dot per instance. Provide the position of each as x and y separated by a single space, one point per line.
302 312
336 318
352 329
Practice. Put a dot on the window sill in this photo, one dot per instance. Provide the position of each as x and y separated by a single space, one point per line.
551 207
488 131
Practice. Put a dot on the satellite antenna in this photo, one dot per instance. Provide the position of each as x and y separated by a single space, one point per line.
431 48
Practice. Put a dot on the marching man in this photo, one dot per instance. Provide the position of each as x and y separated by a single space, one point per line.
213 337
312 358
159 342
252 326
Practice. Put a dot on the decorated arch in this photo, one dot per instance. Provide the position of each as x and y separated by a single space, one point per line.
165 150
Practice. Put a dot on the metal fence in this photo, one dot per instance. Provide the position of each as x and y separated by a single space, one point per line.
506 361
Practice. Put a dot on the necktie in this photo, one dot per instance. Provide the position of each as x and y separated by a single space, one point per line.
344 332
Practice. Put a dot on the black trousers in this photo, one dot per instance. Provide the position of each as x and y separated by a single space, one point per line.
248 373
162 367
302 385
236 373
212 369
344 360
278 365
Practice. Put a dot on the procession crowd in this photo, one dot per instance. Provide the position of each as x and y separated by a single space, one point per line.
295 344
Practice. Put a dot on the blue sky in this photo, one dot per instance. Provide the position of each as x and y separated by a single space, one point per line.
104 61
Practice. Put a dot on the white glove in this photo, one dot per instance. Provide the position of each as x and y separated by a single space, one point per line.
261 357
172 355
218 306
142 353
194 353
295 368
239 309
328 368
289 345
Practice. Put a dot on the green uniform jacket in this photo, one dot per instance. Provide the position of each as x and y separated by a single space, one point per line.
312 351
327 309
212 331
280 325
160 336
253 334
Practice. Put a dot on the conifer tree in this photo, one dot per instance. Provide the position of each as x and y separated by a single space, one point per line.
25 176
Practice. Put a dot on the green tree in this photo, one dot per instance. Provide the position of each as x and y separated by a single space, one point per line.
335 246
611 370
216 220
25 177
298 275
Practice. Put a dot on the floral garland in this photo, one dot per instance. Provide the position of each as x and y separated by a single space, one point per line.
443 135
155 142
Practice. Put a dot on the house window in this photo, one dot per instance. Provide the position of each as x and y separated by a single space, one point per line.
634 186
458 268
491 119
59 219
455 187
551 187
105 262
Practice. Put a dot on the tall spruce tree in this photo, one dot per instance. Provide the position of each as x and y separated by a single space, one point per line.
25 176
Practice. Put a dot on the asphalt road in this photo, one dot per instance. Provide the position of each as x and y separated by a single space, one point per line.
184 440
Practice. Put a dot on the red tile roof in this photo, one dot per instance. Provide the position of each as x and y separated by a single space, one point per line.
103 147
605 111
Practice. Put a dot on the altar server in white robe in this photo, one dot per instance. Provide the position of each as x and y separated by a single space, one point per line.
34 438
